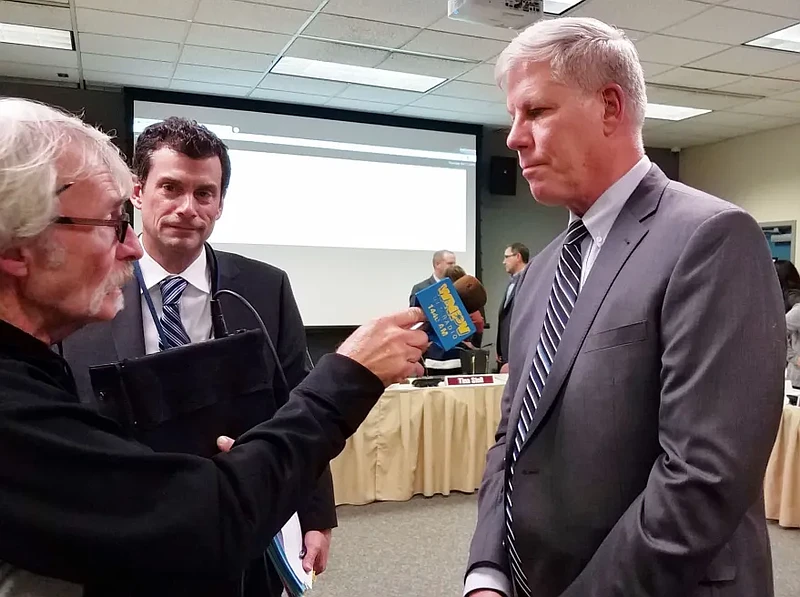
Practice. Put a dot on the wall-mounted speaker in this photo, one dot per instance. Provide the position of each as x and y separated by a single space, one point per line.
502 176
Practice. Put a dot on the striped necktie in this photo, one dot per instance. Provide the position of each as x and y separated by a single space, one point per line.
174 333
563 295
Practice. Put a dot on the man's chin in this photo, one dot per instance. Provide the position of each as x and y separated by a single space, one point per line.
111 304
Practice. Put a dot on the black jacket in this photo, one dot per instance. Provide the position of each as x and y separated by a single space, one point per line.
83 504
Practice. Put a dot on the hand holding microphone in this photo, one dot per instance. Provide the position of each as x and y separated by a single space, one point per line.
389 347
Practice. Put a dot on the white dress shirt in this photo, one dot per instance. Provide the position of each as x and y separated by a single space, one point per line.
195 303
598 219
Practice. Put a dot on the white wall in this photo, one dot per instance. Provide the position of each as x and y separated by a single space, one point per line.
759 172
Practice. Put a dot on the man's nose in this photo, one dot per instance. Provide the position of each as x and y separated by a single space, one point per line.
518 137
130 249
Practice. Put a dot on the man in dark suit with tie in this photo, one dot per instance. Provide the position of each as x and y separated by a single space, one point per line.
183 172
639 415
515 258
441 261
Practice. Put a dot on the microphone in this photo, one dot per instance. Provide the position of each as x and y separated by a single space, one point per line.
218 320
447 306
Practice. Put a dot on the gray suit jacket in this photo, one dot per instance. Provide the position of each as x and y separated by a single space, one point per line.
642 473
419 286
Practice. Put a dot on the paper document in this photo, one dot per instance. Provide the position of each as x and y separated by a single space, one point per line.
284 552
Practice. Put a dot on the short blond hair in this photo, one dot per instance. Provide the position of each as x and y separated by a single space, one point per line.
583 52
34 140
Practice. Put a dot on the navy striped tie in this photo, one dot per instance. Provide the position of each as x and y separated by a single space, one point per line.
563 295
174 333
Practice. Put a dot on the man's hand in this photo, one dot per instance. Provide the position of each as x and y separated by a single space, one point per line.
388 347
504 368
317 547
485 593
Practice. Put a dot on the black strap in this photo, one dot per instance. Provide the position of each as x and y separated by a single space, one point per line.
146 293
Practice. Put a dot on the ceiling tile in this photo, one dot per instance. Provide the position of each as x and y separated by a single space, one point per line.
483 73
643 15
476 91
729 26
697 78
725 119
690 99
449 25
38 72
793 96
748 61
417 13
763 123
790 72
360 31
378 95
246 15
361 106
181 10
783 8
99 77
302 85
421 65
439 102
340 53
651 69
35 15
289 97
236 39
770 107
222 76
131 66
226 58
761 86
670 50
300 4
112 23
108 45
208 88
457 46
34 55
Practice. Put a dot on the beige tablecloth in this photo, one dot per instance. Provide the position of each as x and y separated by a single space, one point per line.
782 481
428 441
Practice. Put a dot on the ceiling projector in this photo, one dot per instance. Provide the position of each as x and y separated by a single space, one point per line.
512 14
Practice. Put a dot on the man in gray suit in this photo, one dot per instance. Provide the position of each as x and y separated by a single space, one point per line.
646 355
441 261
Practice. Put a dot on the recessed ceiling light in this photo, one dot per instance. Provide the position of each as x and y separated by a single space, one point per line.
665 112
347 73
558 7
786 39
36 36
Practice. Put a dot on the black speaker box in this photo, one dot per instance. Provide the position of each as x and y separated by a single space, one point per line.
502 176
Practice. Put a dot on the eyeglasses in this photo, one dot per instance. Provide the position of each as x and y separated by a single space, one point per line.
509 256
119 224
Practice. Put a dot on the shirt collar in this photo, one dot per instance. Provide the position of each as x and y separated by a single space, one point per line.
601 216
196 274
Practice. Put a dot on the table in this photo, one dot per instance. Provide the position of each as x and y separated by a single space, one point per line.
419 440
782 480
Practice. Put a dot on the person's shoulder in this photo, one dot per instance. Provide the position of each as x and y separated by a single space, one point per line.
248 266
693 205
23 382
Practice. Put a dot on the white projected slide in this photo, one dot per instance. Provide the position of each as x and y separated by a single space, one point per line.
351 211
342 203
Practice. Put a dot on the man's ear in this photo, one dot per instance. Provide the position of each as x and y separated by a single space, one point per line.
14 262
614 107
136 196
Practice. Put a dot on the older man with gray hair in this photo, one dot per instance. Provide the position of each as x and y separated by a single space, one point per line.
639 414
82 506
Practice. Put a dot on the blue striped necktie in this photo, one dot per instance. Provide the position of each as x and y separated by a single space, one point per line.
563 295
174 333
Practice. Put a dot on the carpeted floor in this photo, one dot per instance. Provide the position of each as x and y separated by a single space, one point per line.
419 548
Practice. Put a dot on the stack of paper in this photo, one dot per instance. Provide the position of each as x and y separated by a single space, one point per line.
284 552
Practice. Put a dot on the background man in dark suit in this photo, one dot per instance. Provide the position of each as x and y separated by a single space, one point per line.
641 406
183 172
515 258
441 261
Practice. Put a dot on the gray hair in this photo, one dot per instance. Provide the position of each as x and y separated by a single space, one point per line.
439 255
583 52
35 139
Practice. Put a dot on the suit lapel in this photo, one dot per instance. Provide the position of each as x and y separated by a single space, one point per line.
232 310
127 327
626 234
531 294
